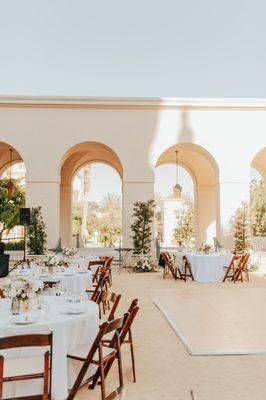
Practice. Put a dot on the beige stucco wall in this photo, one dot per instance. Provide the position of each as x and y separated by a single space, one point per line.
138 131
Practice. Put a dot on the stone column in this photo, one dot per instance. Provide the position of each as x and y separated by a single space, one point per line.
206 214
231 196
65 214
46 195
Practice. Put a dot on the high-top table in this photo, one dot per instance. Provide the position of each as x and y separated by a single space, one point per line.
205 267
124 253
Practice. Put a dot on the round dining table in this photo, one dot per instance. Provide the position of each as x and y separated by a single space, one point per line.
205 267
70 331
73 280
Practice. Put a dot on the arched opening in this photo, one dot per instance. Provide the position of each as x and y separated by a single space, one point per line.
203 172
97 205
258 197
74 164
12 168
174 217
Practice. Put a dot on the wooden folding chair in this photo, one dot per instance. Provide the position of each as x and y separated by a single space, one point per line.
243 269
186 271
95 262
122 336
168 266
234 268
129 339
106 354
50 284
104 300
34 340
100 286
106 265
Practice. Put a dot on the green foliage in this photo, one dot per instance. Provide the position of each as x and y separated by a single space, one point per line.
184 231
143 213
36 232
242 227
258 207
14 246
110 222
10 205
104 218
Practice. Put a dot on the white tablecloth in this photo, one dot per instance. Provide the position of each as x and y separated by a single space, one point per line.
69 332
78 282
206 268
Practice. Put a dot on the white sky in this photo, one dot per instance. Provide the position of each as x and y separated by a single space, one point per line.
105 179
148 48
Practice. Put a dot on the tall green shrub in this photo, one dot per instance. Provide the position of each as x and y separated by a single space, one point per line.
36 232
143 214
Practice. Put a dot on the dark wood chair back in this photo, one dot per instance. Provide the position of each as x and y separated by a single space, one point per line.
104 300
101 285
33 340
234 268
168 266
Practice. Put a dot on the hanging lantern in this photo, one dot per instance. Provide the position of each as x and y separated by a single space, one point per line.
177 187
10 187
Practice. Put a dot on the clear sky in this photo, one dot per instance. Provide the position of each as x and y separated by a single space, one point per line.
149 48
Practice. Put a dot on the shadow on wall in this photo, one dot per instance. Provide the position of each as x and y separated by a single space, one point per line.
185 132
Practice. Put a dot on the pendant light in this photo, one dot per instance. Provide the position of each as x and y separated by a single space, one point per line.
177 187
10 187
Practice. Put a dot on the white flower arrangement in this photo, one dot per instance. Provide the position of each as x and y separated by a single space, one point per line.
22 288
143 264
69 251
53 260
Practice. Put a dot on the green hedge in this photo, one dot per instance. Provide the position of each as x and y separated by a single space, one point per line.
12 246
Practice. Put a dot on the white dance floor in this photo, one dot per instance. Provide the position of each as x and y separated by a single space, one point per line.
216 321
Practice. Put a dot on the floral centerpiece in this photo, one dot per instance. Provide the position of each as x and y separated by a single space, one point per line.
69 251
53 261
21 291
22 288
143 264
205 248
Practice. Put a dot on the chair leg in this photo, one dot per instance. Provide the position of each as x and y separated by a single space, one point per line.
1 376
120 369
103 390
46 377
132 355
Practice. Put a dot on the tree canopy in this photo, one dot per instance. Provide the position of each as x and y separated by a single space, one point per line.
10 205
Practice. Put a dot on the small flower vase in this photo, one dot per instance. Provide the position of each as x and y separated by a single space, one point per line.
15 306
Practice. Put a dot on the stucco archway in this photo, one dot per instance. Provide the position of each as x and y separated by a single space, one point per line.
5 156
259 163
74 159
204 170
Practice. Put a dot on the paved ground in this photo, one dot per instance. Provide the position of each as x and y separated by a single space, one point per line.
164 368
